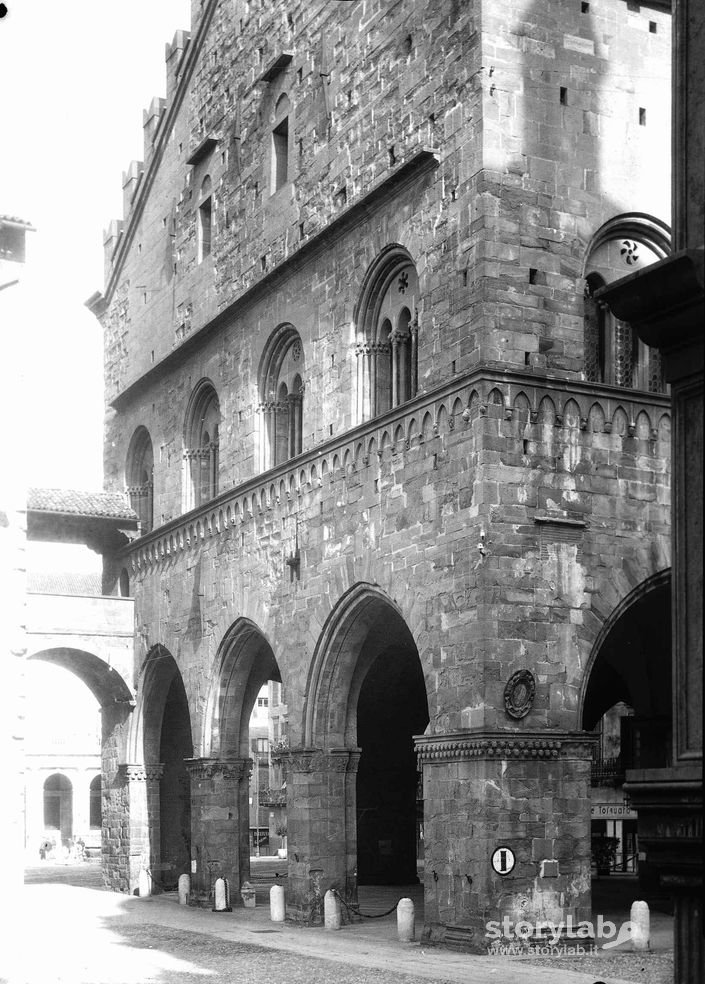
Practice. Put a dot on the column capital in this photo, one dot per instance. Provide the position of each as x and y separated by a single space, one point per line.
210 768
142 773
308 760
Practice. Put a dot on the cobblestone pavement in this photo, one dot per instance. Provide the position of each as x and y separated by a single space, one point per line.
66 930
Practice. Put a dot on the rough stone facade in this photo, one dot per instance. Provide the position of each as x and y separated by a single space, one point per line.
484 515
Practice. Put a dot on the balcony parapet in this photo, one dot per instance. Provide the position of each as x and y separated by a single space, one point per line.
531 398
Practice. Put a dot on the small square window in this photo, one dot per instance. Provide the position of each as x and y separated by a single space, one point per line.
584 8
653 27
563 96
642 116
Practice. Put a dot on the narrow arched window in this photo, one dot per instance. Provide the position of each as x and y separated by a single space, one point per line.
202 446
280 145
205 219
387 331
282 397
139 478
124 584
58 806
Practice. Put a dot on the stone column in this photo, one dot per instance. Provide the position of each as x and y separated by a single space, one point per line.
266 411
219 825
364 398
414 382
395 339
132 806
526 791
321 821
115 798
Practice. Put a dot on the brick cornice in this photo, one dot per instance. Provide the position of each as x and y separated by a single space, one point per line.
461 745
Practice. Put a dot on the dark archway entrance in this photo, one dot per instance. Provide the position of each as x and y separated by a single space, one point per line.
366 702
627 703
175 786
167 747
391 709
632 663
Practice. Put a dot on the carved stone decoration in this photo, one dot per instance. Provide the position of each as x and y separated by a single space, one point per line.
519 694
209 768
143 773
629 252
465 746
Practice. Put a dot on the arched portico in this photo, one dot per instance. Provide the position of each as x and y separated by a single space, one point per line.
157 775
626 699
352 786
116 703
220 775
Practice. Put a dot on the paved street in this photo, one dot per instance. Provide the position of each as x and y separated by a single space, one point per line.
67 930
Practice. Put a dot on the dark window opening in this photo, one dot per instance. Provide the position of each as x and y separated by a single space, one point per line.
280 154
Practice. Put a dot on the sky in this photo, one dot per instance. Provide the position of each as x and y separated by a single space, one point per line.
74 80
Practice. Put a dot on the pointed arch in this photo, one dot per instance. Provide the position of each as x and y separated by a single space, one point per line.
341 660
244 663
139 477
201 445
281 390
386 321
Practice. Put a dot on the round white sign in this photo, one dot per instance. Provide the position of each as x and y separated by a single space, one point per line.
503 860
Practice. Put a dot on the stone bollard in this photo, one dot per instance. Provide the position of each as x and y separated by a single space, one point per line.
277 906
184 889
247 892
331 910
222 896
641 930
405 921
144 884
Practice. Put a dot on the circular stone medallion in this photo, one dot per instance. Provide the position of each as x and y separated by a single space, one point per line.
519 694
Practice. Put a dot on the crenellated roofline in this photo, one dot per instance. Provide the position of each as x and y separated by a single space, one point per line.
99 301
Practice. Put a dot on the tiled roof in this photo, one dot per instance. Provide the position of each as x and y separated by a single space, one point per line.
103 505
13 220
66 584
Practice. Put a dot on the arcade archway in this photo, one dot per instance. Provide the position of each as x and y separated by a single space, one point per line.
626 702
167 749
77 719
234 772
368 694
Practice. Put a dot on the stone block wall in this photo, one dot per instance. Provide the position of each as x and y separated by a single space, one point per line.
527 793
500 237
503 512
